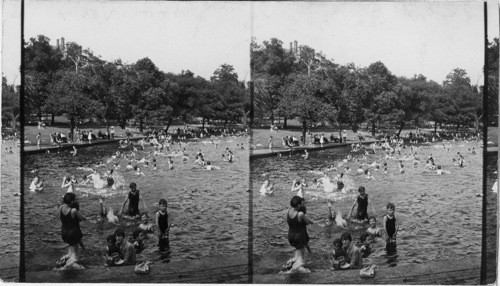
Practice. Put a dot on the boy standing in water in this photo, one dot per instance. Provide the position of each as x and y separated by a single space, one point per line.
133 198
390 227
163 226
362 202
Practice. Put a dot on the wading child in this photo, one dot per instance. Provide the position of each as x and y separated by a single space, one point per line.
163 226
362 202
373 230
133 199
145 226
339 261
390 227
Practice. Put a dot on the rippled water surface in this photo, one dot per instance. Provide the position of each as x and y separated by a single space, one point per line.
10 213
208 209
439 215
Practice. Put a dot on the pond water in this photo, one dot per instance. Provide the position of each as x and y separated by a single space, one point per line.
439 216
208 209
10 213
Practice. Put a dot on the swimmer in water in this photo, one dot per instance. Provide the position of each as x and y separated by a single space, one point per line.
85 180
210 167
138 172
297 187
373 230
68 182
439 171
267 188
306 155
36 185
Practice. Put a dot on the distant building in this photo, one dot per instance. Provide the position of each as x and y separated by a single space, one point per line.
60 45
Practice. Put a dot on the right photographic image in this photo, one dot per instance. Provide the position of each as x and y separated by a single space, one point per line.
374 150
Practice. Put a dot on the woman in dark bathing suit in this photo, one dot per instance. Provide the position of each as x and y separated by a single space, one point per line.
297 232
70 229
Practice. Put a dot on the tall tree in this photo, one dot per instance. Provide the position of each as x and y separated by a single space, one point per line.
376 80
461 98
10 104
272 65
73 94
41 62
304 98
230 94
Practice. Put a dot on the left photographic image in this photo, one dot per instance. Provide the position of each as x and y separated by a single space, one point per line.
10 194
136 157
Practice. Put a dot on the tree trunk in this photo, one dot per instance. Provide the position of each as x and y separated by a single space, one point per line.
107 128
52 120
340 132
304 128
39 113
72 127
401 126
284 122
203 123
271 118
169 122
435 127
140 125
14 121
478 120
373 129
458 126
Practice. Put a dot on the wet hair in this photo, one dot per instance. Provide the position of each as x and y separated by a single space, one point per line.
439 167
391 206
133 184
208 162
346 236
162 202
111 171
111 239
361 189
120 232
337 242
366 171
69 198
296 201
341 175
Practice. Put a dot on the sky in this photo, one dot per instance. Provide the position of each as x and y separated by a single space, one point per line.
429 38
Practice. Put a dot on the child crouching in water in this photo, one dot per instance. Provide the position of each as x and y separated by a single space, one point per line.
163 226
339 261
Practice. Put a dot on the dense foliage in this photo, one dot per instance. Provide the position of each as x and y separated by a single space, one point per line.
304 84
72 81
